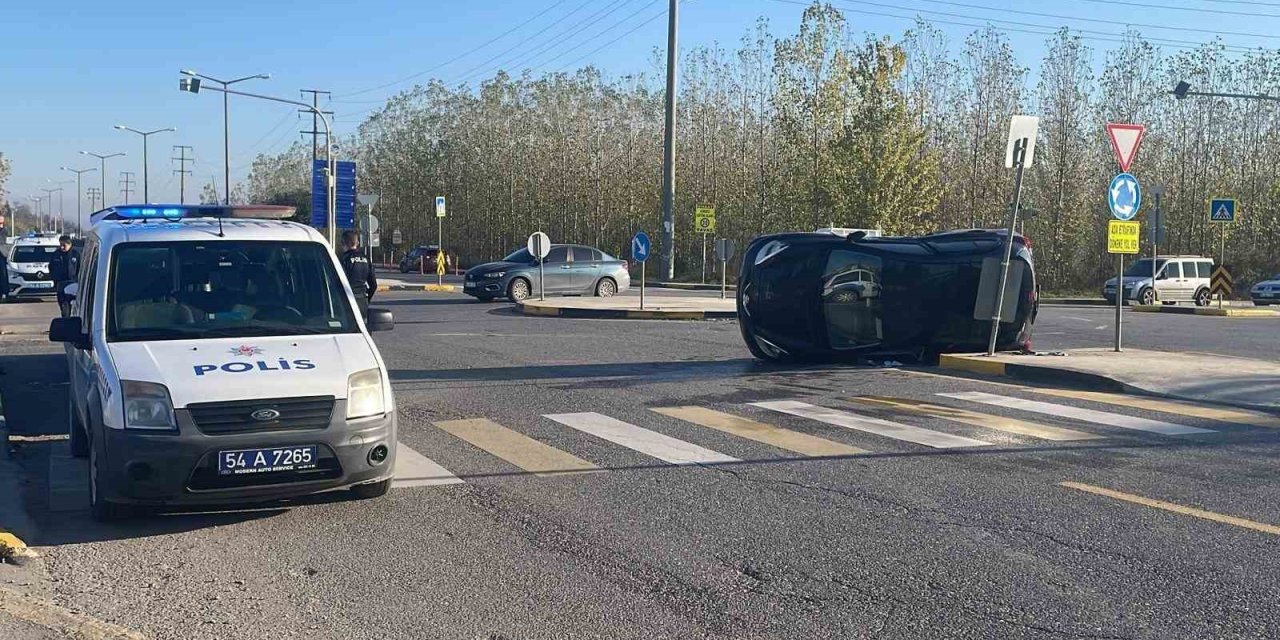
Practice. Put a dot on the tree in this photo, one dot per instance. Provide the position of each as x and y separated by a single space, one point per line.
210 193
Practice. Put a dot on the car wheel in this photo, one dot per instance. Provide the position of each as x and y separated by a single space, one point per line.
518 289
79 439
101 509
1147 296
606 288
1202 298
371 490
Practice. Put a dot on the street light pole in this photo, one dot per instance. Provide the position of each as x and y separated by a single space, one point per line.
1183 89
103 159
193 86
226 126
79 196
62 219
146 196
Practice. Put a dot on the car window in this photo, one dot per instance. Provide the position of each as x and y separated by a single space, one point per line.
1206 269
88 288
522 256
1189 270
851 299
32 253
1172 270
558 254
599 255
583 254
185 290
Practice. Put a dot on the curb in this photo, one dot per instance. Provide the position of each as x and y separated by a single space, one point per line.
689 286
1032 373
620 314
1208 311
443 288
65 622
1077 302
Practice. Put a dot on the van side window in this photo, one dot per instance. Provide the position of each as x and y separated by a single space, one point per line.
88 278
1206 269
1172 270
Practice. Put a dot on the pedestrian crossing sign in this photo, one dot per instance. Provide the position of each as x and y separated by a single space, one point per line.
704 219
1222 210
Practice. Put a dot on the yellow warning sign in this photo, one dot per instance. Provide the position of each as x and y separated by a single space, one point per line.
440 261
1122 237
704 219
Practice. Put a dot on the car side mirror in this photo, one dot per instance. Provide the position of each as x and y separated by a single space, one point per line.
71 290
380 320
68 330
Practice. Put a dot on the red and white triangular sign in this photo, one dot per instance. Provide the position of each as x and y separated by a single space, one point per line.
1125 139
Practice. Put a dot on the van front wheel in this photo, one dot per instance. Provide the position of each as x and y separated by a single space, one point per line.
1146 296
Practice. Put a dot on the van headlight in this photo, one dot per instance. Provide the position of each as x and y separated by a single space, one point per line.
364 394
147 406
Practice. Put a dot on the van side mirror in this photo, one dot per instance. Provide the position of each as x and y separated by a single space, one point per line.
71 290
68 330
380 320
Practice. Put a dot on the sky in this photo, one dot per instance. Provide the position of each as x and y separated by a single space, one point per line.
70 70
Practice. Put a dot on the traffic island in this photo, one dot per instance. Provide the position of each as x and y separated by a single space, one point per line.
1240 382
1225 312
628 308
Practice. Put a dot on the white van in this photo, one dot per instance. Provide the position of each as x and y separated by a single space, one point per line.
1177 279
29 265
215 357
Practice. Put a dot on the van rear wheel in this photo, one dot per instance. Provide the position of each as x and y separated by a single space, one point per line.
1202 298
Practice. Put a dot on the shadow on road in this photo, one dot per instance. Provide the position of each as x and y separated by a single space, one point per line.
34 390
420 302
665 369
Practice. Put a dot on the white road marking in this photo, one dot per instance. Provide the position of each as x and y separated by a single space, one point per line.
1078 413
416 470
650 443
908 433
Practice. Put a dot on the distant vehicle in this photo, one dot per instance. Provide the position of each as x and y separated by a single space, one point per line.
422 259
1178 279
1267 292
818 296
29 265
570 270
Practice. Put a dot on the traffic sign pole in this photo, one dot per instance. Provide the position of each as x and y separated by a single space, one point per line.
704 258
1120 301
1223 254
1019 158
640 246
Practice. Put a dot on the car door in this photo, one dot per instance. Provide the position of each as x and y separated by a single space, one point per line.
558 270
1204 275
1168 285
585 268
83 373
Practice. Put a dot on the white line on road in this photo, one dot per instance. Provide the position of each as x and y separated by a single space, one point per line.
1078 413
416 470
908 433
650 443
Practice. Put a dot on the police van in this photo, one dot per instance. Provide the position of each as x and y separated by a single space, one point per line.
29 265
216 356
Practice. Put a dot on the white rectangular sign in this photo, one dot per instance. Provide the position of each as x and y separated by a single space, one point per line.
1022 127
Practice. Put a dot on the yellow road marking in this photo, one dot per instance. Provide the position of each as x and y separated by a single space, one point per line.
1236 416
986 421
516 448
1176 508
801 443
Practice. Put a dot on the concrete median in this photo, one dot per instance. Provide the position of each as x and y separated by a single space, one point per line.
628 308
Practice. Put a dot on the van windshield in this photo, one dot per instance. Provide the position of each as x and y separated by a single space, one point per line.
1142 267
186 290
33 253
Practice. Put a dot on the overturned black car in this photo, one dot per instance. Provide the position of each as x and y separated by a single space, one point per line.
819 296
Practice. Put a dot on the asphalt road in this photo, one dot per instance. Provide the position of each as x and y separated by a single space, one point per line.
894 533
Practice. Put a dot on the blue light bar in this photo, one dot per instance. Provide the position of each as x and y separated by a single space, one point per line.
175 212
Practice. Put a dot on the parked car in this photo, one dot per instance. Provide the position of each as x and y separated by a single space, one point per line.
423 260
1178 279
1267 292
818 296
28 268
570 270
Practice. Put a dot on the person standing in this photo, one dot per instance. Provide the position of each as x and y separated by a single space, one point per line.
4 278
64 268
359 271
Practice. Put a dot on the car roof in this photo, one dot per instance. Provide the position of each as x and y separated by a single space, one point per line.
111 232
38 241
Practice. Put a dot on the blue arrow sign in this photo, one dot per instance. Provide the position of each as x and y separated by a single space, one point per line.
344 217
1124 196
1222 210
640 246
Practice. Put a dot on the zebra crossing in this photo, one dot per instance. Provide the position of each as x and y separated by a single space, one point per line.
878 424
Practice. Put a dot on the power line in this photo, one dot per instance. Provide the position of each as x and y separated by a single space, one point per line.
564 37
315 121
601 33
457 57
1166 7
182 171
607 44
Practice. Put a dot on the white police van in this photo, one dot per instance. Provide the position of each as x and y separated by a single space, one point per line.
29 265
215 356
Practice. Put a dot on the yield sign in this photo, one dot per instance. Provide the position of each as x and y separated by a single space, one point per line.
1125 139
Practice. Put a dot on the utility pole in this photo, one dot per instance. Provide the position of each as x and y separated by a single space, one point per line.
669 150
126 184
94 193
79 196
182 171
315 125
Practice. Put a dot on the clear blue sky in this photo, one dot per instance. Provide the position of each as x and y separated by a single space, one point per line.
69 70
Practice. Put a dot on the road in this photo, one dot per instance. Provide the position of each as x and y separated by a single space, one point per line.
922 526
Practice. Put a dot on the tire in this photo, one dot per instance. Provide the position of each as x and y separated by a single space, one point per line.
1202 298
519 289
1147 296
79 439
606 288
371 490
101 509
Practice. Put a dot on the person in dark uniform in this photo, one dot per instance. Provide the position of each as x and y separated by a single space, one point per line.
4 277
64 268
359 271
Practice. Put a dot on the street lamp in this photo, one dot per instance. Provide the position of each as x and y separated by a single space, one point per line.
62 220
226 127
103 158
79 196
146 197
1183 89
192 85
37 211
